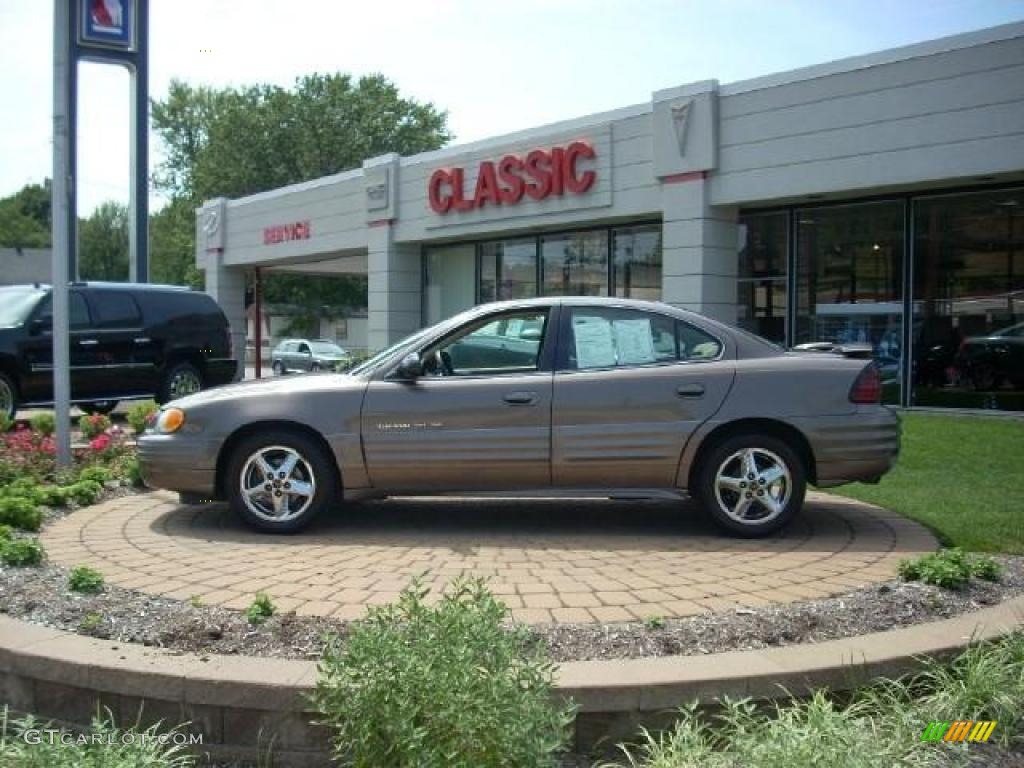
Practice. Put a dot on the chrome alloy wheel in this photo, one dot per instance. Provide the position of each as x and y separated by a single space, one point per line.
184 382
753 486
277 483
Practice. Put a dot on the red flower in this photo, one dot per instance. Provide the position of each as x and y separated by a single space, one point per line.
100 442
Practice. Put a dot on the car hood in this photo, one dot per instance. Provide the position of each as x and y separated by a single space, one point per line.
272 387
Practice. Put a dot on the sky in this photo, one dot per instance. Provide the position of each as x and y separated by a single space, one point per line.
496 66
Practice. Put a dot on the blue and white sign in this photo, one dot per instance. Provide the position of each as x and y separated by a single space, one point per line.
108 23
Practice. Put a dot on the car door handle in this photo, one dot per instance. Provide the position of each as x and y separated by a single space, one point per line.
88 343
520 398
691 390
142 340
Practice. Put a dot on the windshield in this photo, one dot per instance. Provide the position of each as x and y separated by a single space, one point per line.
16 302
326 348
409 342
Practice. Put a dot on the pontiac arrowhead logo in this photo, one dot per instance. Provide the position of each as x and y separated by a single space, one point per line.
680 120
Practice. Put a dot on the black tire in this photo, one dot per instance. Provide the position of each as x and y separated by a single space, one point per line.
175 382
315 368
317 461
278 367
984 377
8 396
723 456
99 406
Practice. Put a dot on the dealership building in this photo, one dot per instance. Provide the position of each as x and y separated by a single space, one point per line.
874 199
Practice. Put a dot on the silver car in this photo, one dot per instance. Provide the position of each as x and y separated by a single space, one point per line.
561 396
293 355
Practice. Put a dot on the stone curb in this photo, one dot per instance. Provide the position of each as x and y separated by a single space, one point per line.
59 675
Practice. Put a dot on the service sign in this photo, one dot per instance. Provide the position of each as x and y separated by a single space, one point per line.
107 24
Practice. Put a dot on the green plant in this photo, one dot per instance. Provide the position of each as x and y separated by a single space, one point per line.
53 496
107 746
44 423
84 579
6 422
21 552
133 471
19 512
141 415
6 533
949 568
654 622
93 425
445 685
261 609
85 492
90 622
96 474
196 601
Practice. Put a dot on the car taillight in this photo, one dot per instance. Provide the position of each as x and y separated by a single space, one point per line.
867 389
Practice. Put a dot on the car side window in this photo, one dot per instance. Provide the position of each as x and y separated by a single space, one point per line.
304 349
510 343
78 311
115 309
609 337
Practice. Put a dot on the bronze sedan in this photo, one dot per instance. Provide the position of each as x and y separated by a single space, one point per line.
573 396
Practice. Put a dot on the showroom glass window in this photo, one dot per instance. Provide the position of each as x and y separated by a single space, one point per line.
849 263
508 269
761 288
636 262
969 300
575 264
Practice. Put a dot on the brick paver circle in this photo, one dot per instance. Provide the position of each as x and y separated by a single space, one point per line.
560 560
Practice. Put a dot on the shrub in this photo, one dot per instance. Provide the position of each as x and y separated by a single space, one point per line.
949 568
85 579
85 492
21 552
44 423
445 685
95 474
142 415
107 746
53 496
261 609
93 425
19 512
6 533
133 471
6 422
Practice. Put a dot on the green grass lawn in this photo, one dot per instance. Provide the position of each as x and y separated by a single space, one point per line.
961 476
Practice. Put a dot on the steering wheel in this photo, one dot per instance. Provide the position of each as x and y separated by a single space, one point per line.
444 362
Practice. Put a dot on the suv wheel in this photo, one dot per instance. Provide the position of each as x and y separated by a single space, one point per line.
8 396
99 406
751 485
180 380
279 481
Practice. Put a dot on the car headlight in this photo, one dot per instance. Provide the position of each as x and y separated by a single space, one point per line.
170 421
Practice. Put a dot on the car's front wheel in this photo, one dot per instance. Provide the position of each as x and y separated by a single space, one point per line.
751 485
8 396
279 481
278 368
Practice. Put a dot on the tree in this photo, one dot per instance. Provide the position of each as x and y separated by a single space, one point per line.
233 142
25 217
172 247
103 243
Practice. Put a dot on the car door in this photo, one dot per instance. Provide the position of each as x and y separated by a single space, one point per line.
37 350
303 357
117 325
479 418
629 389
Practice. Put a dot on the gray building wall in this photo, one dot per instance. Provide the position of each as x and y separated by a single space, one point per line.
25 265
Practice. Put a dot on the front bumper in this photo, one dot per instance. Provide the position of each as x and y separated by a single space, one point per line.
179 462
862 445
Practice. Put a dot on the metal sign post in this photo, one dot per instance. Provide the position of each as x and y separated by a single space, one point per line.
63 182
111 32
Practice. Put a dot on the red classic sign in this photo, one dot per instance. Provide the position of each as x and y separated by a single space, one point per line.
540 174
282 233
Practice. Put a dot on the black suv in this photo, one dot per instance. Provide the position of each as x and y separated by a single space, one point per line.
129 341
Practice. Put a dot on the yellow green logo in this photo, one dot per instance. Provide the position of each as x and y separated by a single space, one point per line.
959 730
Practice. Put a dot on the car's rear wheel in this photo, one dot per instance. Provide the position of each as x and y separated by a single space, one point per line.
278 368
751 485
984 377
316 368
279 481
8 396
180 380
99 406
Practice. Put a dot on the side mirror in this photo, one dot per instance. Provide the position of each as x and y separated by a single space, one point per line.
411 366
41 325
